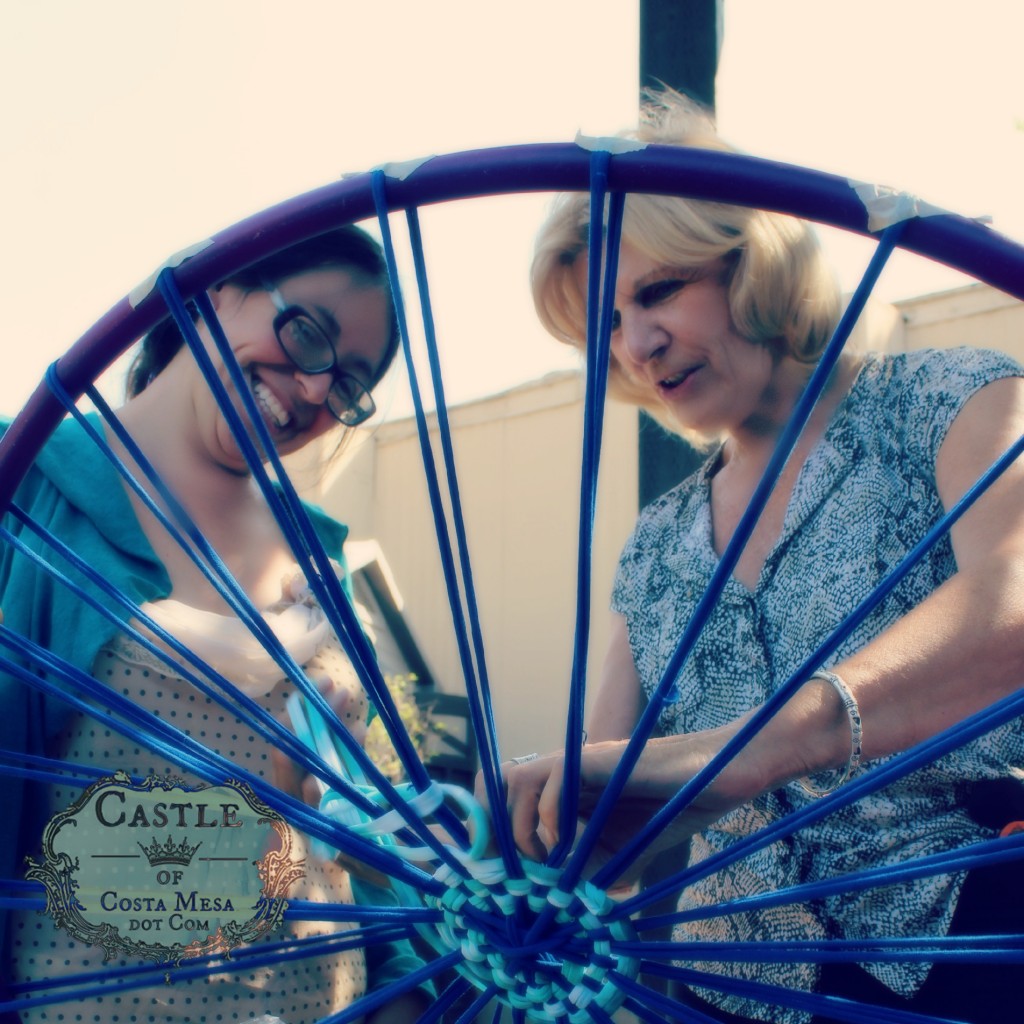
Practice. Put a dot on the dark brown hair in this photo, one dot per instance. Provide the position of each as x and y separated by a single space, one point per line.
348 248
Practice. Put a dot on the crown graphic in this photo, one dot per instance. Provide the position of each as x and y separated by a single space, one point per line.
170 853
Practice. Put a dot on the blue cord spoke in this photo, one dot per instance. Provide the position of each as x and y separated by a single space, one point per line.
48 769
311 910
487 740
477 1006
374 1000
478 690
1007 949
21 903
453 992
600 305
651 1016
86 984
992 851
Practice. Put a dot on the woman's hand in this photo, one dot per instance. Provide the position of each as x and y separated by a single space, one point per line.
534 791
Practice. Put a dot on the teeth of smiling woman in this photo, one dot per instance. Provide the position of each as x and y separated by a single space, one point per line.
274 409
671 382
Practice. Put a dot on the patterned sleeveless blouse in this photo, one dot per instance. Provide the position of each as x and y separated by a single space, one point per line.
865 496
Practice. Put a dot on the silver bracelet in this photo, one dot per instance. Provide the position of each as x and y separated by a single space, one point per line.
856 735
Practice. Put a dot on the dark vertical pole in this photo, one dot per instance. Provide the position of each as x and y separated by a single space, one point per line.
679 46
679 43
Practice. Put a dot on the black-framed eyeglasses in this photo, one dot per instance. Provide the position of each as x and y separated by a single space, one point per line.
309 349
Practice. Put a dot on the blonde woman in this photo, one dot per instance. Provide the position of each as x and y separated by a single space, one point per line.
720 315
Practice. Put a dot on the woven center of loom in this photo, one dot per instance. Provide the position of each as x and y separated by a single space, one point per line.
563 973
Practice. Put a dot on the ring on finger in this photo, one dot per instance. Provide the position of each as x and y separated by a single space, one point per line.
524 758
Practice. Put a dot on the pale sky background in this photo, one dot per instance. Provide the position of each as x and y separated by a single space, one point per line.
131 128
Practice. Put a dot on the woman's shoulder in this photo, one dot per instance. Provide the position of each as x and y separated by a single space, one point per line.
932 384
912 398
925 372
73 466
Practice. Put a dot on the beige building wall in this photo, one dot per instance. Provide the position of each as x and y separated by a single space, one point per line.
518 462
973 315
518 457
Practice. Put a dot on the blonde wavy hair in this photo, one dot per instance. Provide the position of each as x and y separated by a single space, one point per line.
781 290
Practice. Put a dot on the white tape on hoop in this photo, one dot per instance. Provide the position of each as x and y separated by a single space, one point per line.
886 206
608 144
399 170
142 290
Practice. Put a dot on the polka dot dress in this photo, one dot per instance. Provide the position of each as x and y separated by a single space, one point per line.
299 991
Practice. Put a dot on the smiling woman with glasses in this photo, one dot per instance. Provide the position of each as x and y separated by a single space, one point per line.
308 346
348 248
309 363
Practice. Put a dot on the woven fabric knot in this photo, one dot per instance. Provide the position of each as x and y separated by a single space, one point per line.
567 974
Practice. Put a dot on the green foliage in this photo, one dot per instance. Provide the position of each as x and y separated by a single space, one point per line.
418 724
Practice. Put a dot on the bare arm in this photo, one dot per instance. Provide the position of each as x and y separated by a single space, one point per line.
962 649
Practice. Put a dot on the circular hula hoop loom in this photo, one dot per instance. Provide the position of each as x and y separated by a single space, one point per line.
537 941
